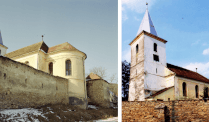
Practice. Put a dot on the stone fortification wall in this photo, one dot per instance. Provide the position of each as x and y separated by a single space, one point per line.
179 111
114 88
99 93
24 86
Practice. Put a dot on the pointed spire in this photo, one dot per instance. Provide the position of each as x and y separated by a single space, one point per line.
1 41
147 24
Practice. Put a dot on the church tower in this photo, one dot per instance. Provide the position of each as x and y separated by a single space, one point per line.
148 61
3 49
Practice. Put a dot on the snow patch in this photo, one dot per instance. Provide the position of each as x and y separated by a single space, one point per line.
92 106
21 114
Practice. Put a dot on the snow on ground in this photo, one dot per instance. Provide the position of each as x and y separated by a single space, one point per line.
114 119
92 106
21 114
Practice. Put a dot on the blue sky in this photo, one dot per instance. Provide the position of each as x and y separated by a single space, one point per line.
90 26
184 24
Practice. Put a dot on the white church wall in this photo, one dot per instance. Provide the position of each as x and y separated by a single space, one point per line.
42 61
136 86
3 50
190 88
155 71
149 50
136 70
169 81
30 57
154 83
77 78
135 58
131 93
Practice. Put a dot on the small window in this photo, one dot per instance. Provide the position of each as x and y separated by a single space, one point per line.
156 70
155 47
168 99
197 91
136 71
137 48
206 92
68 67
51 68
0 52
156 58
184 89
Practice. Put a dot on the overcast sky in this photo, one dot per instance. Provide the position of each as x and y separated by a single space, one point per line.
184 24
90 26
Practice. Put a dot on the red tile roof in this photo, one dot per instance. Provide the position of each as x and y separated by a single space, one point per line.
28 49
185 73
44 47
93 76
64 46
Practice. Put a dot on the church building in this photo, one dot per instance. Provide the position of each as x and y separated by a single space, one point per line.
62 60
152 78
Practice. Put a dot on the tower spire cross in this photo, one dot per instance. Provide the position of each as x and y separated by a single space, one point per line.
147 5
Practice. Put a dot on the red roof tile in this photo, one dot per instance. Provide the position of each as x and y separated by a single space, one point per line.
185 73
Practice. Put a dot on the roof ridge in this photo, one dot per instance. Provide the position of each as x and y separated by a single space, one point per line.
180 67
185 73
12 54
26 46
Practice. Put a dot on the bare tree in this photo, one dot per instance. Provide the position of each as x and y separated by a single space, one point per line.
113 78
101 71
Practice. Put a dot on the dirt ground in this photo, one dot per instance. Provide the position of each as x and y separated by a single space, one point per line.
60 113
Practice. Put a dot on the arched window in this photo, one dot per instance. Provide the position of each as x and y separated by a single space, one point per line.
0 52
68 67
206 92
27 62
155 47
184 89
51 68
137 48
197 91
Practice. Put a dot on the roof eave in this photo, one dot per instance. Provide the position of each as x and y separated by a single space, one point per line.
148 34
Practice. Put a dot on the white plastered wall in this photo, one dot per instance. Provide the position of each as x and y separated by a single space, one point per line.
3 50
77 78
136 83
154 80
31 58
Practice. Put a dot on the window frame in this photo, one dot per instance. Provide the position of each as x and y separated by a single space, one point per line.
156 56
197 91
184 89
137 48
155 47
67 70
51 68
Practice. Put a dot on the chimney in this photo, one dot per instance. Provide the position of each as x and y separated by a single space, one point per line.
196 69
